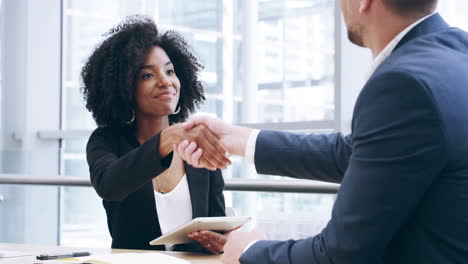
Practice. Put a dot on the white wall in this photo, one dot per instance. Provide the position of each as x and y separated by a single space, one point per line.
30 102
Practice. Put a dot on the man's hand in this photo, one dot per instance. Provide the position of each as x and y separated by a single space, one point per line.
233 137
236 243
214 155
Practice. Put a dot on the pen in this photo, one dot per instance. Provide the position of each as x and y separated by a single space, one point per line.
61 256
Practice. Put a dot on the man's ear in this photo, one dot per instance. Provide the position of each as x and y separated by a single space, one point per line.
365 5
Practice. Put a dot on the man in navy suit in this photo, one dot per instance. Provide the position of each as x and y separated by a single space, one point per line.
403 170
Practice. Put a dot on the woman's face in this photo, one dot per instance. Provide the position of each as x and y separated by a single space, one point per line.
157 87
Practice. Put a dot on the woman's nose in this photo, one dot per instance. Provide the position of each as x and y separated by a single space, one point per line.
164 81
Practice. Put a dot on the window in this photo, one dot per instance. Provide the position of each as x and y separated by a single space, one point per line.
292 80
452 12
1 44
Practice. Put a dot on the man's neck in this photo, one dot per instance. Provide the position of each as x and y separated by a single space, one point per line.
384 30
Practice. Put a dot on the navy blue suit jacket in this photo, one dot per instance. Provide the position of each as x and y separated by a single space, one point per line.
121 171
403 170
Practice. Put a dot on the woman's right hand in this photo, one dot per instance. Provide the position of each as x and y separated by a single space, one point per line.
215 154
211 241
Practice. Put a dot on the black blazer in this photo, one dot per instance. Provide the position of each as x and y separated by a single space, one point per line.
121 171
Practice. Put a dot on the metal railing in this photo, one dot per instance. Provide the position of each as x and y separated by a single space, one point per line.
305 126
248 185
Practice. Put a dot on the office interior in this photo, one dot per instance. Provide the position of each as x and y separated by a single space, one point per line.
270 64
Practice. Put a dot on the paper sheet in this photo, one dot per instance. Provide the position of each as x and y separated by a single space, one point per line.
122 258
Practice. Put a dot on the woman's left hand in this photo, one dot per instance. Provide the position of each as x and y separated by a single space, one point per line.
211 241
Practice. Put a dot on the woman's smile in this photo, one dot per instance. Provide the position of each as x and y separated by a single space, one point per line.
166 95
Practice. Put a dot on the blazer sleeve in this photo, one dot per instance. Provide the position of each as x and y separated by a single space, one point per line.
398 151
322 157
113 177
216 204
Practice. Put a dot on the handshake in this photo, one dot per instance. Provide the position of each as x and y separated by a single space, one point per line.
205 142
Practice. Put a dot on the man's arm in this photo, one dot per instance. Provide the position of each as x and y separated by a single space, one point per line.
398 151
320 157
315 156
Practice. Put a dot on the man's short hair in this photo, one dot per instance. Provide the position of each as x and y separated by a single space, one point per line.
412 7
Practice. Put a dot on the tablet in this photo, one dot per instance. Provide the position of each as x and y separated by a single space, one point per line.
217 224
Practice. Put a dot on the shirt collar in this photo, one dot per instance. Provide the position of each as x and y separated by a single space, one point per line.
385 53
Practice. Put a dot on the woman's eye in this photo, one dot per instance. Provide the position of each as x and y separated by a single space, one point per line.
170 72
147 75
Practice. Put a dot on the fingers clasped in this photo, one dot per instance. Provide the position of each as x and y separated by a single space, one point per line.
203 149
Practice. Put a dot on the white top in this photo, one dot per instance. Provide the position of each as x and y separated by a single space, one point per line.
174 208
384 54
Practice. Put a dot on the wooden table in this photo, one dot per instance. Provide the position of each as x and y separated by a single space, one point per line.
195 258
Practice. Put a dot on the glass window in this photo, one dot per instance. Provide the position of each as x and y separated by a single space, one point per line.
1 45
296 39
453 12
295 82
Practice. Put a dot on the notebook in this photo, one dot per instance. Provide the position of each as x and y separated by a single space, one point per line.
13 254
120 258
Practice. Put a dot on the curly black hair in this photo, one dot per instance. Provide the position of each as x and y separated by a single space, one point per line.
109 76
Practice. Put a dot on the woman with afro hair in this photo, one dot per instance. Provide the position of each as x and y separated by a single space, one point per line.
139 84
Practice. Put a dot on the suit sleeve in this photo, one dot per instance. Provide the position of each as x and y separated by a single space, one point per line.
216 203
113 177
315 156
398 151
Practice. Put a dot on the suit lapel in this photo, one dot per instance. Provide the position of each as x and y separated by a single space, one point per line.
151 209
198 182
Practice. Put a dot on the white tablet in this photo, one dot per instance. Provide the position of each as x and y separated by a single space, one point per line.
219 224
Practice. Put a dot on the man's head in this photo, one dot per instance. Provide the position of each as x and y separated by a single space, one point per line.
412 8
359 13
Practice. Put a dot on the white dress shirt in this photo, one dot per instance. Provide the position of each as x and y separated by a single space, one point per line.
174 208
378 60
